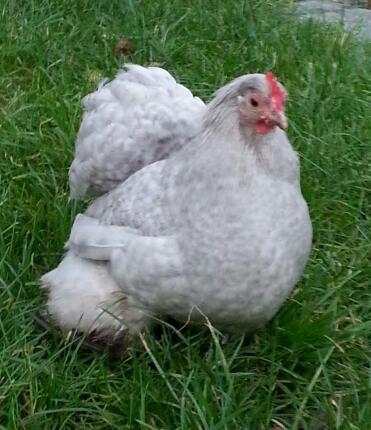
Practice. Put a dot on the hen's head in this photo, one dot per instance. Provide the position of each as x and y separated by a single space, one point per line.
258 100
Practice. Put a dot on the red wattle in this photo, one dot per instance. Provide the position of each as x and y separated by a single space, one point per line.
261 127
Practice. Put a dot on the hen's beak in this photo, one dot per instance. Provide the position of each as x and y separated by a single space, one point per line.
279 118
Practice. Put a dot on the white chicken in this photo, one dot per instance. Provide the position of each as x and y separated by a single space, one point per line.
219 229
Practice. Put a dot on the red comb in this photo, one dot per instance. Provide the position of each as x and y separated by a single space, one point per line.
278 96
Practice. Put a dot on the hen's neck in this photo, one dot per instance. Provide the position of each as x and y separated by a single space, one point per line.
227 149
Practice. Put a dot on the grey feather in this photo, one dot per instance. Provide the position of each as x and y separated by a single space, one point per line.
141 116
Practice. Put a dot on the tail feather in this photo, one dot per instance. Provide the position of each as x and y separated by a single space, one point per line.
141 116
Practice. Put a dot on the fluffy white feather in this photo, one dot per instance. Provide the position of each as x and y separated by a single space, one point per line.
140 117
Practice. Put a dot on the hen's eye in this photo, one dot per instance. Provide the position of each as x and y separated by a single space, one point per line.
253 102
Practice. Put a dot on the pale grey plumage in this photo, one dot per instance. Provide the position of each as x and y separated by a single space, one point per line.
140 117
220 229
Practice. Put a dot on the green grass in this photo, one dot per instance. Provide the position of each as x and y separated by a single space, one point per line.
315 356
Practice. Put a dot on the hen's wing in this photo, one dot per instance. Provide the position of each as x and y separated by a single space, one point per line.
148 268
140 117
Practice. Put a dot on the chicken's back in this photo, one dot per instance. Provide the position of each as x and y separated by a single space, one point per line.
140 202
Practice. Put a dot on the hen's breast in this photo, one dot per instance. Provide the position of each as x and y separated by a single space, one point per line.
245 255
